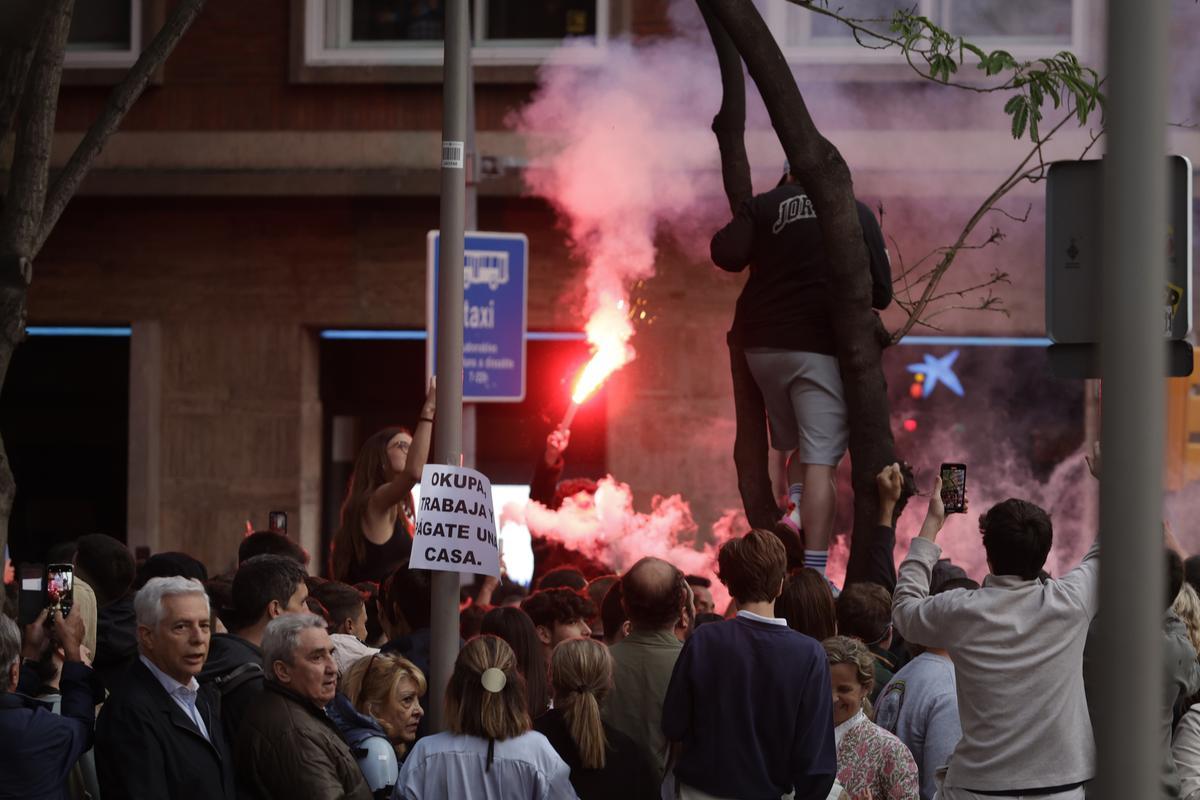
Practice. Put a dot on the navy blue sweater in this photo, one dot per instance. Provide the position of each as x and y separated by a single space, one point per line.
751 703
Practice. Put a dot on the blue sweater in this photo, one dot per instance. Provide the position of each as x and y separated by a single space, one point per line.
751 703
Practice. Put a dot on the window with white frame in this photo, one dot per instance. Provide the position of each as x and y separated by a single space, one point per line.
409 32
104 34
1025 28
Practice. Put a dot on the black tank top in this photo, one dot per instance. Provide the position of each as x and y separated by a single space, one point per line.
381 560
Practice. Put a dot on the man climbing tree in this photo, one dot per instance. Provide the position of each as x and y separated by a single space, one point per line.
739 31
783 324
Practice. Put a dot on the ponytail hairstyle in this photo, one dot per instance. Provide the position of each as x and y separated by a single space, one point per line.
581 672
474 710
370 472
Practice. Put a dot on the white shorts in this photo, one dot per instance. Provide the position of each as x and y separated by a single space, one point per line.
806 410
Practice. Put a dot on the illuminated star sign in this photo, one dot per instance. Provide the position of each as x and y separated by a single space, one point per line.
934 370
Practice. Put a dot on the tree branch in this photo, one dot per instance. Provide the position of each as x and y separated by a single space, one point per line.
35 131
23 25
119 102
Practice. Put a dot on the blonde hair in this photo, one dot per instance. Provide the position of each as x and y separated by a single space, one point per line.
374 682
473 710
581 672
1187 606
844 650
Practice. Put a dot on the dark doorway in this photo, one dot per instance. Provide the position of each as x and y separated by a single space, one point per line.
64 416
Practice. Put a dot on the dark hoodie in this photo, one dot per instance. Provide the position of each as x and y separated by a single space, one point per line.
116 640
226 653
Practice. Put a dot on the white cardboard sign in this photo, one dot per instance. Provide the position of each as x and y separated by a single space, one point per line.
456 523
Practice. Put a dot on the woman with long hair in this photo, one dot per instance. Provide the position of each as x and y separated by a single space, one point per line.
376 528
378 709
807 604
604 762
515 627
489 751
872 763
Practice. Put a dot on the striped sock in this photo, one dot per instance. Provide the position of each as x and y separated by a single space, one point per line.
795 492
816 559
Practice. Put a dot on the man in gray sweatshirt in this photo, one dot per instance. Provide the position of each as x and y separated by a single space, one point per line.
1017 647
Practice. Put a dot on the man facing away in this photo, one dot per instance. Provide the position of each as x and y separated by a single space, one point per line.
287 745
160 733
1017 646
749 700
654 595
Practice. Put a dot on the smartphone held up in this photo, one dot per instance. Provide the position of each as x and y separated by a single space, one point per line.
954 488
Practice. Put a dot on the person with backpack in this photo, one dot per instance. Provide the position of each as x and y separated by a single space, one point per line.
264 588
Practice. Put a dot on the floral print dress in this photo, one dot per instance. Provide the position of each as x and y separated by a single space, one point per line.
873 764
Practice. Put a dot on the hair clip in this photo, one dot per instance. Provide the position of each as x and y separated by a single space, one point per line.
494 680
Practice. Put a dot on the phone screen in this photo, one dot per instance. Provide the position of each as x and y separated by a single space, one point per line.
277 522
954 488
60 586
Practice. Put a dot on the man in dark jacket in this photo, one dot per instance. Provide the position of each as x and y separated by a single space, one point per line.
41 747
287 745
160 733
264 588
783 324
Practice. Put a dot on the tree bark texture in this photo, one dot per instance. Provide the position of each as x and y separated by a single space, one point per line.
122 98
20 30
729 125
826 179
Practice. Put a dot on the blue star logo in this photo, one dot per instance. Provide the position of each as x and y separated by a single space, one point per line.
933 371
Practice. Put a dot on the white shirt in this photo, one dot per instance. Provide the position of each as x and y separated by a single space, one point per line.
184 695
454 765
761 618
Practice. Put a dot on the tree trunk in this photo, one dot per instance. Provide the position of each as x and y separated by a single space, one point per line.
31 205
729 125
826 178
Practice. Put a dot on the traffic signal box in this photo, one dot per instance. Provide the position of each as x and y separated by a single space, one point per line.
1183 431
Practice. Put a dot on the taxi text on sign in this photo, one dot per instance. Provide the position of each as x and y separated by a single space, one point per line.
495 285
456 522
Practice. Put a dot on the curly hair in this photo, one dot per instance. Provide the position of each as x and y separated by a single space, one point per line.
562 606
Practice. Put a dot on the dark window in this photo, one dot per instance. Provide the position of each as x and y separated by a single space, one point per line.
101 25
423 20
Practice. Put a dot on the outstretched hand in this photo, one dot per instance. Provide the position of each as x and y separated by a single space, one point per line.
430 406
556 445
890 482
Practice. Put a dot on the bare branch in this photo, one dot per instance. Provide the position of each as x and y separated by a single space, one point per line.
1023 218
35 131
119 102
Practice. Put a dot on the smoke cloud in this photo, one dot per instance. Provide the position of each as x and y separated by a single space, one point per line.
608 528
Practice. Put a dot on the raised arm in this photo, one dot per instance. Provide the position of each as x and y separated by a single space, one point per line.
917 616
881 266
397 489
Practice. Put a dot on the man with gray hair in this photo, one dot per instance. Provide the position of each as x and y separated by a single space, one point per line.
160 733
41 747
287 746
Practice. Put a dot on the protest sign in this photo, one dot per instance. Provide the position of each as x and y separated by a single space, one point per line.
456 522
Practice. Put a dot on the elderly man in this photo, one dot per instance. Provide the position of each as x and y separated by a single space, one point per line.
287 745
160 733
41 747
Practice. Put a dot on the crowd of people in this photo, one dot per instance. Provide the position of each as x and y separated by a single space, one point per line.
269 682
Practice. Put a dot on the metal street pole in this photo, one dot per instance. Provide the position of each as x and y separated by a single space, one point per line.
1133 361
470 430
447 442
